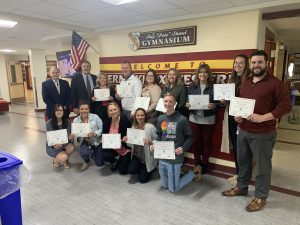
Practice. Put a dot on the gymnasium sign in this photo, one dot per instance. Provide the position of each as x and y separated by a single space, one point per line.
163 38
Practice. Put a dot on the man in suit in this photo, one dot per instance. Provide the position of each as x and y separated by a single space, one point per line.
82 85
55 91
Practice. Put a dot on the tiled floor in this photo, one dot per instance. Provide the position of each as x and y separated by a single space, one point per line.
96 196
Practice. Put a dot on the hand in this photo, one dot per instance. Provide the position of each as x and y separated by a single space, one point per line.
211 105
188 105
238 119
91 134
125 139
256 118
152 148
118 96
223 101
147 141
57 146
178 151
94 98
110 98
71 137
75 110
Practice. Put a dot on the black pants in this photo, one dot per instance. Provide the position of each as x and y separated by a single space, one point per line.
109 155
232 128
136 167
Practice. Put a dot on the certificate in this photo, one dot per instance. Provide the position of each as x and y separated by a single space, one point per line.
135 136
141 102
198 101
124 90
224 91
80 129
160 106
164 150
101 94
57 137
111 141
243 107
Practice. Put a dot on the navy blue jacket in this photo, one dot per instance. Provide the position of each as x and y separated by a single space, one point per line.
51 96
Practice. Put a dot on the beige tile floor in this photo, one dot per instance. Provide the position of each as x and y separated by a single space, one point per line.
96 196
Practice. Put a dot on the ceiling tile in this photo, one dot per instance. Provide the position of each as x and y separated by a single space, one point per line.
81 5
248 2
30 14
185 3
212 6
5 9
147 6
49 10
17 4
114 12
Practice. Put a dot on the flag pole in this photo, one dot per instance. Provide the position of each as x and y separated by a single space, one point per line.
94 49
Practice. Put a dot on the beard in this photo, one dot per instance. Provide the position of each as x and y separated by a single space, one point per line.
258 74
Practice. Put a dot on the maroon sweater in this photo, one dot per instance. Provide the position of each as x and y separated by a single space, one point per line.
271 95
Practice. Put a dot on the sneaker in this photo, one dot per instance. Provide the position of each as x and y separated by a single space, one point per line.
67 165
114 166
85 166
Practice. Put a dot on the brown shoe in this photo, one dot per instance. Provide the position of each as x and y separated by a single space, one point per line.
234 192
198 173
256 205
85 166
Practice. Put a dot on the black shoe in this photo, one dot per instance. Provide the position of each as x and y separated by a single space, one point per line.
114 166
204 168
133 179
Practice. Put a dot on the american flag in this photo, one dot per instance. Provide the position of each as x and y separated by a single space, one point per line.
78 50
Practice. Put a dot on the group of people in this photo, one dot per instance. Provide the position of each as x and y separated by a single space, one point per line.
191 130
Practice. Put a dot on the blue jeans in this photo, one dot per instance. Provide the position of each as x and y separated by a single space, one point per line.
170 176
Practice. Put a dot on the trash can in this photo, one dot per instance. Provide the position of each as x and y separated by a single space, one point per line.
11 179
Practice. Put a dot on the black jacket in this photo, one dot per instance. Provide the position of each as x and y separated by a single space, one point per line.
209 90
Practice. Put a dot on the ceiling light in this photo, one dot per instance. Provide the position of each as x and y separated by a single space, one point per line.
7 23
8 50
119 2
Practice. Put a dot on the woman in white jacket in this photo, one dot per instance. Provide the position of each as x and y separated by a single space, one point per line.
142 160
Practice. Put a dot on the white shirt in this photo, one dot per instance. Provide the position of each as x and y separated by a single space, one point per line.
136 91
56 83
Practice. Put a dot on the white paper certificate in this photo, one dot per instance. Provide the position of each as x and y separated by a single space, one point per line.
135 136
101 94
141 102
57 137
164 150
160 106
224 91
111 141
198 101
243 107
124 90
80 129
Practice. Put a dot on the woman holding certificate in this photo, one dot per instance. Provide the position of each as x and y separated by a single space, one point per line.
102 94
174 84
202 116
86 130
59 152
142 160
240 73
152 90
116 124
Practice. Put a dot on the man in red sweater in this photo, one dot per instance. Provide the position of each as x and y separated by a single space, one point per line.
257 134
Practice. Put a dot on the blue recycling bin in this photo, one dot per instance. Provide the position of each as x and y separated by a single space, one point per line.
10 197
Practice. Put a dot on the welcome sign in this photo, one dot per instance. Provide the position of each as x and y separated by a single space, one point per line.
163 38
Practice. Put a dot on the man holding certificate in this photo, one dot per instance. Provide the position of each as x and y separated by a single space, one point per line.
257 133
135 86
87 138
173 127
